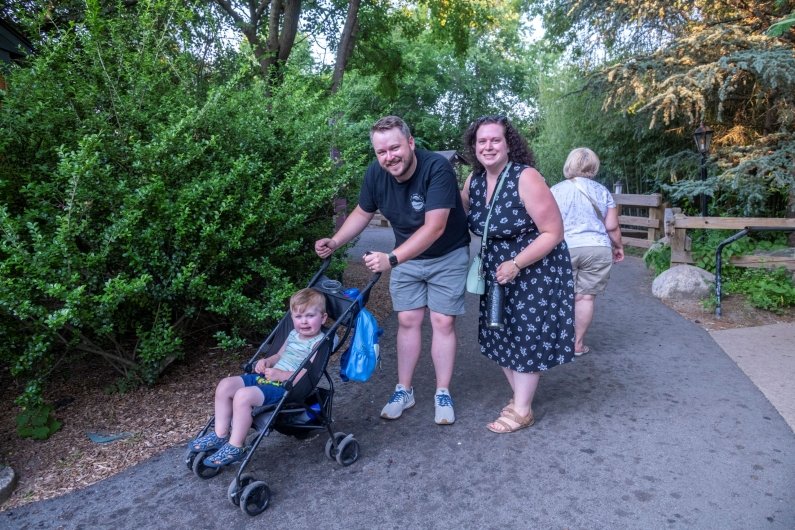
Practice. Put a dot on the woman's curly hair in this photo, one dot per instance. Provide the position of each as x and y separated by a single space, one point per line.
518 150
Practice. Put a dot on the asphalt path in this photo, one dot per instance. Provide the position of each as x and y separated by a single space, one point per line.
657 428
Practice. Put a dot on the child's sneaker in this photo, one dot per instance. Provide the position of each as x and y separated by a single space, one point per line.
208 442
445 415
228 454
401 400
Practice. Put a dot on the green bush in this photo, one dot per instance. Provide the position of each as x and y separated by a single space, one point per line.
137 210
658 258
770 290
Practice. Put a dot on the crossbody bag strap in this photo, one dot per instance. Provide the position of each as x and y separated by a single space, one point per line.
596 209
493 200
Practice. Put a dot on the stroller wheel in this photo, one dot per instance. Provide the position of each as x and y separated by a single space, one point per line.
190 456
330 452
202 471
348 451
255 498
233 493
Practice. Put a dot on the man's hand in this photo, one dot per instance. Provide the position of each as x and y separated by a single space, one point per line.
325 247
377 261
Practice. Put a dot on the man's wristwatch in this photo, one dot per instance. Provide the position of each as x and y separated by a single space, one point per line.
393 261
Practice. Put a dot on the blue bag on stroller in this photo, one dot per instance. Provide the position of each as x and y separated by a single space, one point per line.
359 360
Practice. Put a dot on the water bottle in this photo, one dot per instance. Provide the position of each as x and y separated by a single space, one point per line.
494 306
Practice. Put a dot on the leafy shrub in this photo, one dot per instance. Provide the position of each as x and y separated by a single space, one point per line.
658 258
770 290
137 210
37 423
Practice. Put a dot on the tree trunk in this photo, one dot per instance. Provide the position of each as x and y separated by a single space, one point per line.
282 29
791 214
347 42
283 17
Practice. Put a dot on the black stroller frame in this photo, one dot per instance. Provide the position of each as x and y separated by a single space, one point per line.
305 406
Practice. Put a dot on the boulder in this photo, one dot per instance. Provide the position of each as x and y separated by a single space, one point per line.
8 479
683 282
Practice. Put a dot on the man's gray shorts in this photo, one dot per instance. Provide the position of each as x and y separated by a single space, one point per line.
438 283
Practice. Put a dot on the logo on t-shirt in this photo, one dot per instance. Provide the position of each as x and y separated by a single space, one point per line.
417 202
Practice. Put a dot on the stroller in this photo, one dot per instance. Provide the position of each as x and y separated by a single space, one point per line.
306 405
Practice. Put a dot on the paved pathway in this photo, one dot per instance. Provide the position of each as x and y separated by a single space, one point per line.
658 428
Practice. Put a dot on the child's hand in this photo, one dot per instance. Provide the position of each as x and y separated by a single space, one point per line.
260 367
274 374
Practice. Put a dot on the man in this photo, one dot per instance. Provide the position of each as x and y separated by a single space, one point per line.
417 192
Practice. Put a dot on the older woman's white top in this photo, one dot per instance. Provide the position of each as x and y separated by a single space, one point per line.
582 228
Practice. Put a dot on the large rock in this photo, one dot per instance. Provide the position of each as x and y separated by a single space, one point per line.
683 282
8 479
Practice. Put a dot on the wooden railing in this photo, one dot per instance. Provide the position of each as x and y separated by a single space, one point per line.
677 224
638 230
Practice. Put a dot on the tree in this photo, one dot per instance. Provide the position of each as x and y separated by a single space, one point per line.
282 19
345 47
712 64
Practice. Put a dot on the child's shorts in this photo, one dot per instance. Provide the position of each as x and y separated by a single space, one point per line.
271 390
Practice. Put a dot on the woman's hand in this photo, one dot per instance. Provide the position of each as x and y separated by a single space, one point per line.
507 272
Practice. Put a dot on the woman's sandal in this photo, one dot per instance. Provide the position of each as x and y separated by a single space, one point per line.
208 442
516 422
228 454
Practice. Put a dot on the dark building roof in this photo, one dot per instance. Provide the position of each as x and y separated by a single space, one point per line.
13 44
453 157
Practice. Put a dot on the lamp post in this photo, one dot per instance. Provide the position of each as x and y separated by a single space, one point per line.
703 137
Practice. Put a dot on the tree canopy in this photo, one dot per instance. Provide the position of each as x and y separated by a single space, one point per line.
670 66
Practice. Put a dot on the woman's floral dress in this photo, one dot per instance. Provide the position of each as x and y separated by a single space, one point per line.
538 330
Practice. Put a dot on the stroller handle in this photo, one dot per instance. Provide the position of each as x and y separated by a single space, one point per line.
324 265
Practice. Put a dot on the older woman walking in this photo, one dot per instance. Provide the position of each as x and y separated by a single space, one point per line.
590 221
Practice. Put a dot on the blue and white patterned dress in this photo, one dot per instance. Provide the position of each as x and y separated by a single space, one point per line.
538 322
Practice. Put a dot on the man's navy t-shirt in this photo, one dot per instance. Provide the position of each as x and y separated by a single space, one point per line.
432 186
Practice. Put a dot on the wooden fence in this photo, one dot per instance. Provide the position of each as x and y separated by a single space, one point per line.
644 219
677 224
640 217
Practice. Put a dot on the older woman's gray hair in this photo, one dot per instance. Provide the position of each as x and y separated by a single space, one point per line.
581 162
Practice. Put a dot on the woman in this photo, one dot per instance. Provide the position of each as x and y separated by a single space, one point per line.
526 254
590 221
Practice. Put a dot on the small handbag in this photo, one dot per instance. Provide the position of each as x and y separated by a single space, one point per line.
476 280
476 277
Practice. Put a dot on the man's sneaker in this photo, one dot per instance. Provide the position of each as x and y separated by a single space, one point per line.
401 400
444 407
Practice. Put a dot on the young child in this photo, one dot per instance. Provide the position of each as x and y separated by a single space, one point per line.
236 396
